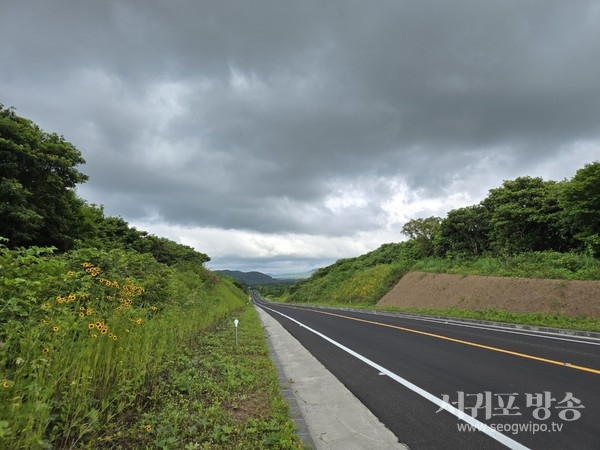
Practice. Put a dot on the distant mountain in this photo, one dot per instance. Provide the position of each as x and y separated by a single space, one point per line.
251 278
294 276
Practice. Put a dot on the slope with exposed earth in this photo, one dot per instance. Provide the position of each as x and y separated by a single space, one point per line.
519 295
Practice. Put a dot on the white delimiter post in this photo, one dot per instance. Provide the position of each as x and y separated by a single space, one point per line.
236 322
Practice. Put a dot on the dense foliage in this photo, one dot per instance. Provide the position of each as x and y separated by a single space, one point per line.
98 349
527 215
38 175
105 330
39 206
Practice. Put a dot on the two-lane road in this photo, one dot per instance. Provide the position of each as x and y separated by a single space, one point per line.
434 382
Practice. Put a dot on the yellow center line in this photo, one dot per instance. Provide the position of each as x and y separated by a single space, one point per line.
461 341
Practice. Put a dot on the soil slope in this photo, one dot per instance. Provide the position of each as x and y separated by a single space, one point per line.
520 295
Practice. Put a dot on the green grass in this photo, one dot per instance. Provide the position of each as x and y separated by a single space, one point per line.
91 357
361 282
211 394
553 265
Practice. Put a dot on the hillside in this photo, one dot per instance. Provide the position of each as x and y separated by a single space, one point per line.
517 295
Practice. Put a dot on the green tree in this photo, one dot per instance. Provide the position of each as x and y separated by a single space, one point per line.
524 215
423 233
465 230
38 174
109 233
580 200
169 252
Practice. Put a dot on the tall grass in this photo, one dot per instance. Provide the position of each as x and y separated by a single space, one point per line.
555 265
211 394
81 343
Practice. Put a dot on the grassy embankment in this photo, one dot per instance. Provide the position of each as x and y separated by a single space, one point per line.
362 281
114 350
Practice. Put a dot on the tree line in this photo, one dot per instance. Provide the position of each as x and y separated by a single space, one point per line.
39 206
527 214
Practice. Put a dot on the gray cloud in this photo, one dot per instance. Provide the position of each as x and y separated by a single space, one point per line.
306 117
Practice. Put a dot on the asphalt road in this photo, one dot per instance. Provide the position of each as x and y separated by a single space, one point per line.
428 381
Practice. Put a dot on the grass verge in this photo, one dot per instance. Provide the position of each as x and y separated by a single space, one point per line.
115 350
211 395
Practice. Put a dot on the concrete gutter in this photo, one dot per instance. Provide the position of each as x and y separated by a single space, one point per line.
328 415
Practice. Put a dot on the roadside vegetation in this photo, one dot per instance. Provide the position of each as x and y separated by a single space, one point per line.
112 349
528 227
111 337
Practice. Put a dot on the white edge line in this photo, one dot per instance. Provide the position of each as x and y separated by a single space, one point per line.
480 426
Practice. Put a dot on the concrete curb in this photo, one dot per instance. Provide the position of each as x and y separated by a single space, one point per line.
287 393
334 418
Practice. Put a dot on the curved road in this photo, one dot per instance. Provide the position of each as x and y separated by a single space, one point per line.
450 385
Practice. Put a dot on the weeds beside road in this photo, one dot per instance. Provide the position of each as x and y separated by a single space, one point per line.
115 350
212 394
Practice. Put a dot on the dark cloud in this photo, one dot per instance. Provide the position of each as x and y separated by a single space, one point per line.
306 118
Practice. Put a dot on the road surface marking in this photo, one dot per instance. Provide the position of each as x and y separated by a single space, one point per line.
505 440
461 341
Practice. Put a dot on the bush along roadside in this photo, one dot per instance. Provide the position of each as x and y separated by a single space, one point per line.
115 350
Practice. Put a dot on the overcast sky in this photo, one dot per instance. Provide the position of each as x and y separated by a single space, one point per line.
282 135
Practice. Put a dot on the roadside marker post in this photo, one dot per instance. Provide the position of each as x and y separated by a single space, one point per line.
236 322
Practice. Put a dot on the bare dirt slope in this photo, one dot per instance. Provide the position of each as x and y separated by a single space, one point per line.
521 295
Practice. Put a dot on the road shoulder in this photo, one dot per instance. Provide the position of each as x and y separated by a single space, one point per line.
331 415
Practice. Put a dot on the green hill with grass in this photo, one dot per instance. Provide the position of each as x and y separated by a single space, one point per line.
109 333
111 337
528 228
